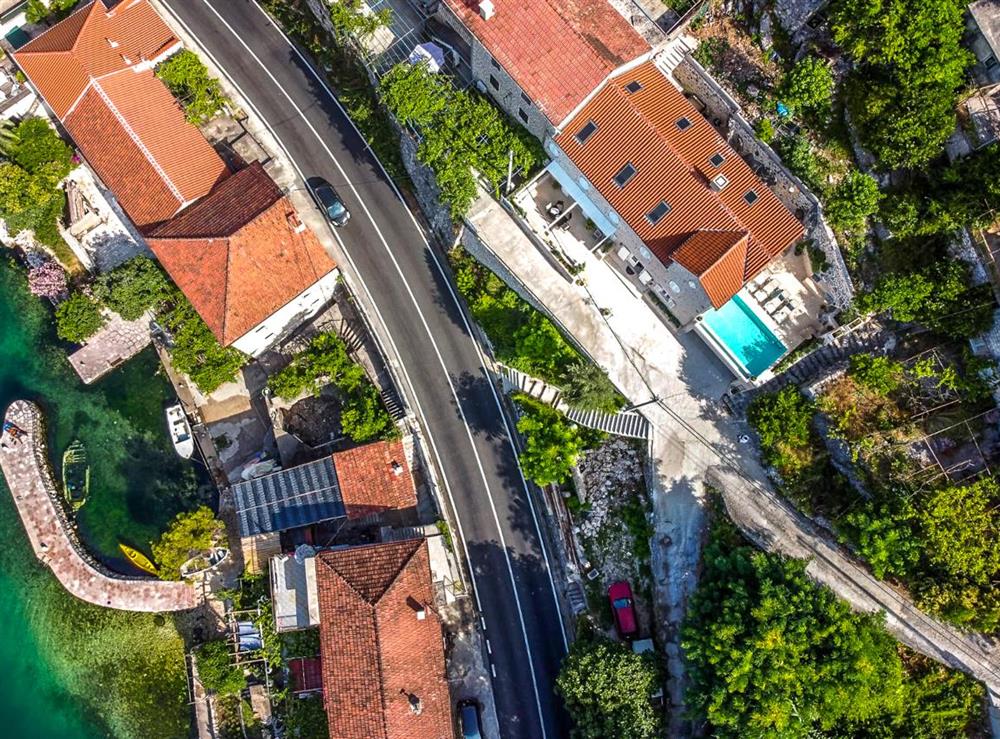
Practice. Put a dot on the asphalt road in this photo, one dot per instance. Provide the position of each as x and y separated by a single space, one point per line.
442 362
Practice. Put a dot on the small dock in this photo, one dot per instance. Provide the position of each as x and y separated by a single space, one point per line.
117 342
25 465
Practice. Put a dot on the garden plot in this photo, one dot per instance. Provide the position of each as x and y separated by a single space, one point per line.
611 524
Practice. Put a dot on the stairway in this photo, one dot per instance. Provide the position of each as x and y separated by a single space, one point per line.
393 404
624 423
867 337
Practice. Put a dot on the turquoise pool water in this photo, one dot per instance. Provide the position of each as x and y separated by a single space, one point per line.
744 336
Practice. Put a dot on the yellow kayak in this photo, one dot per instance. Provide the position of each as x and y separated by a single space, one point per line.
138 559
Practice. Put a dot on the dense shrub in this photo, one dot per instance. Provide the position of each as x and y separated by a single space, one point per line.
39 148
47 280
808 88
188 79
78 318
195 351
607 687
132 288
217 669
463 134
521 336
364 417
551 442
879 374
853 201
783 420
585 385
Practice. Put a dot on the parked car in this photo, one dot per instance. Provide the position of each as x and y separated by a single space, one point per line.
328 201
620 595
470 720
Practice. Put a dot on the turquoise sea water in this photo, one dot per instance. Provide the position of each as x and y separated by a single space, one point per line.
52 672
745 336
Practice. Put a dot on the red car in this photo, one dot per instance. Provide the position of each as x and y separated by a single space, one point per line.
620 595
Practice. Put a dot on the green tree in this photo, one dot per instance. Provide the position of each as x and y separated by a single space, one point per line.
353 19
808 87
783 420
30 201
880 374
607 687
585 385
364 416
188 79
961 530
551 442
325 361
772 654
909 66
188 535
217 669
885 537
797 154
195 351
39 145
132 288
78 318
54 11
853 200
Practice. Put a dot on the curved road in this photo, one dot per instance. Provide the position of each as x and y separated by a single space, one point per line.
443 366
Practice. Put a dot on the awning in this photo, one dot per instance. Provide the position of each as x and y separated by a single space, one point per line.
575 191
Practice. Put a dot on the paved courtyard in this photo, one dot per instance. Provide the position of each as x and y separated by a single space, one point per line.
117 342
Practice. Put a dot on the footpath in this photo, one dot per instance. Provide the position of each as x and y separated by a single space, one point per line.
693 441
25 465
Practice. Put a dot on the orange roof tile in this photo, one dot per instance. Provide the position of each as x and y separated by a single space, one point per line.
374 477
383 667
674 164
236 254
101 59
557 51
718 259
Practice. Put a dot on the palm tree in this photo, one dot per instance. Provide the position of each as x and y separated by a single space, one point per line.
8 137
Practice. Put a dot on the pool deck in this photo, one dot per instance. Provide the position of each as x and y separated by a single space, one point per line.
25 466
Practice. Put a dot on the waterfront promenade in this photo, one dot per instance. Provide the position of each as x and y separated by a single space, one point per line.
25 466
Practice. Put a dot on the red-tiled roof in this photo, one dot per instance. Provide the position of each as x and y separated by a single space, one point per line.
674 164
237 254
557 51
373 478
93 69
383 667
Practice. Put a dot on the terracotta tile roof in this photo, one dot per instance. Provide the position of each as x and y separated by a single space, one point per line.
718 259
237 254
97 59
673 164
558 51
379 659
373 478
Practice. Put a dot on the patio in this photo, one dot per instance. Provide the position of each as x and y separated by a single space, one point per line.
560 220
785 296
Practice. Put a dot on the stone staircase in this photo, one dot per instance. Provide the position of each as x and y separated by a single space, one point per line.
672 53
624 423
861 336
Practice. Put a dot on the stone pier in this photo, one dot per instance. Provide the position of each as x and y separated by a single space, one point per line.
25 465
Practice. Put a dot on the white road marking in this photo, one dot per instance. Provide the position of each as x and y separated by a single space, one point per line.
423 321
482 359
489 649
493 669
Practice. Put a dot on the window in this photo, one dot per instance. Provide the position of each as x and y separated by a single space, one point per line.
717 160
625 174
494 82
750 197
522 115
656 214
991 62
525 98
495 63
683 123
586 132
633 87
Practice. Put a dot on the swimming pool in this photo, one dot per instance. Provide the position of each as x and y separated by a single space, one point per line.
744 337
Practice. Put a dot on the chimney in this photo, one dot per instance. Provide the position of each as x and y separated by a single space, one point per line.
421 613
719 182
397 468
486 9
294 223
112 44
415 703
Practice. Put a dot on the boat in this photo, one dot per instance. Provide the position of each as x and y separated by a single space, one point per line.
75 475
180 431
138 559
203 563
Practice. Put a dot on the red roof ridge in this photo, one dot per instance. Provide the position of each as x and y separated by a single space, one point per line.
415 541
136 139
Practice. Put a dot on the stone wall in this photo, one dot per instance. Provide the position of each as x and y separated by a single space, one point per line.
787 187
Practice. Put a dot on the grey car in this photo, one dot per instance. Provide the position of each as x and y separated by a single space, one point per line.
329 201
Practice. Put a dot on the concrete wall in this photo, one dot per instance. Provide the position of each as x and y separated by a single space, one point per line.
289 317
506 92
